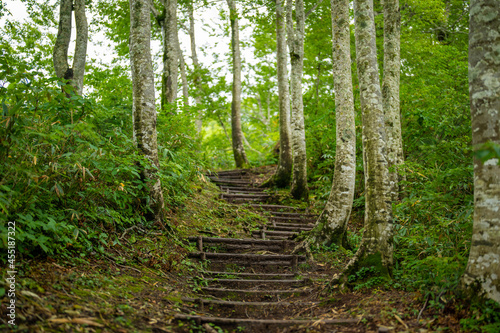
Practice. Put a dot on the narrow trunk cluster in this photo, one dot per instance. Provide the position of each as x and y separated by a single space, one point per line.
60 56
143 109
284 171
376 247
170 54
390 93
295 36
240 156
482 274
332 223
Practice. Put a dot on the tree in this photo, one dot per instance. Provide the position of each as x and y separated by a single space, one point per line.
143 109
171 53
295 38
332 223
283 173
240 156
376 248
390 91
196 67
75 73
483 267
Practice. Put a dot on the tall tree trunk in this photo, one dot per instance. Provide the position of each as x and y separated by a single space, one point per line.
60 56
237 136
376 247
143 108
185 86
170 54
390 92
483 269
196 67
332 223
295 37
283 173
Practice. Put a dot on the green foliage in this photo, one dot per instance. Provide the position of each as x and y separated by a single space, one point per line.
72 174
485 317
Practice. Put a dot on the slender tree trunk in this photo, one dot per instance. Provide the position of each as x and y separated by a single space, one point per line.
284 171
185 86
482 275
332 223
170 54
295 36
60 56
376 247
237 136
144 100
196 67
390 92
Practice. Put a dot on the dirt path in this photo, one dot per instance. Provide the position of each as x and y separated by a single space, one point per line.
254 284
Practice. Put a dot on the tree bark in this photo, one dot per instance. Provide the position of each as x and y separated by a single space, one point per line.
196 67
170 54
283 173
143 108
376 247
185 86
75 73
295 36
332 223
482 275
240 156
390 93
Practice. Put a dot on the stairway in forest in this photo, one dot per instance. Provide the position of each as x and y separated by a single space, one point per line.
255 284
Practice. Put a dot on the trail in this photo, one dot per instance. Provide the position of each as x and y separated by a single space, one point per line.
254 284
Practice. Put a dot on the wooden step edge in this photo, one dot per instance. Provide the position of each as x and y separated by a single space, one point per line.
263 291
239 303
292 214
257 281
275 206
284 322
260 257
275 233
238 240
248 274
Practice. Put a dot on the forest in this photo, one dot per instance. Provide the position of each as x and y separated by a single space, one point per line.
250 166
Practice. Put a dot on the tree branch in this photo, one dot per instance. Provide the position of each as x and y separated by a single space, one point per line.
313 9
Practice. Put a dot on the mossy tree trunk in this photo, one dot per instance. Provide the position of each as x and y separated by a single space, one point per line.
185 85
332 223
75 73
376 247
143 108
482 274
295 36
196 68
283 173
170 54
390 93
240 156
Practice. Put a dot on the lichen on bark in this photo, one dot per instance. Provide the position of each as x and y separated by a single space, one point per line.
143 107
377 241
483 268
295 38
170 55
332 223
390 93
240 156
75 73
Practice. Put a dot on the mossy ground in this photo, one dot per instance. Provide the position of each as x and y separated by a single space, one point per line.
136 285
